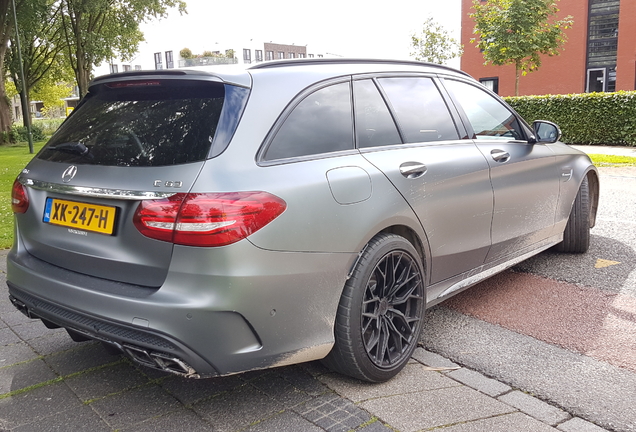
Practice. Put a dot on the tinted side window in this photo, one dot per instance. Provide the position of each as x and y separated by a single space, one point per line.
489 118
320 123
421 112
374 123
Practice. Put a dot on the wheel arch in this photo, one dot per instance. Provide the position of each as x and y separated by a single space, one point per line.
594 191
412 237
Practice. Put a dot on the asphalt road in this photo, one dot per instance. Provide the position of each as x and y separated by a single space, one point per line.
560 326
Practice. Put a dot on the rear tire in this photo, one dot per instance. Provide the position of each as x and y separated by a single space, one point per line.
380 313
576 237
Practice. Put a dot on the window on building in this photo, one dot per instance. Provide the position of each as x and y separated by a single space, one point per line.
137 67
127 68
113 68
169 60
311 55
247 55
301 55
319 55
292 55
304 132
491 84
158 62
602 45
269 55
281 55
259 55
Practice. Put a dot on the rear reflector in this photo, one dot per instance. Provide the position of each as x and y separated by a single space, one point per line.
210 219
19 198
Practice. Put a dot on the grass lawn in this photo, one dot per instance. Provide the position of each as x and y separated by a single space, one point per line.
12 159
15 157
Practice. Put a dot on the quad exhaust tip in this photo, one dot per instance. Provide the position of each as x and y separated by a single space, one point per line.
160 361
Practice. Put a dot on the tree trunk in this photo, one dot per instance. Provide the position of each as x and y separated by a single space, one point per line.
6 27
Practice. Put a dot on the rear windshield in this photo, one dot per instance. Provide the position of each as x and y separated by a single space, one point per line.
142 123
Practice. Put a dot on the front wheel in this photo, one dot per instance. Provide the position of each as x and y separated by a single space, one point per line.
576 237
380 312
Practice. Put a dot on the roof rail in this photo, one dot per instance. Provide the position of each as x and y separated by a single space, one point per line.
314 61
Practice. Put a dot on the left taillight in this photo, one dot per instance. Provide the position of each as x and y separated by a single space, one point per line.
19 198
207 219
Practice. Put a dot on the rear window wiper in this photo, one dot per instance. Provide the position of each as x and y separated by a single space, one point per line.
76 148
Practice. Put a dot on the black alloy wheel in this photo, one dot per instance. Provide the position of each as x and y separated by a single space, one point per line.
380 312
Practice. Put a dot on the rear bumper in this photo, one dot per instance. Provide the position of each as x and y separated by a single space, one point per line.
220 310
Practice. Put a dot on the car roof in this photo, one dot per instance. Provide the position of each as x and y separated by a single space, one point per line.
348 65
241 76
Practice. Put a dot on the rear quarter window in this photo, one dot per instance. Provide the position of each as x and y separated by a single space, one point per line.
321 123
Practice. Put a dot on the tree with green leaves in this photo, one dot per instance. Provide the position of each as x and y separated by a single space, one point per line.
434 44
98 30
39 25
518 32
6 30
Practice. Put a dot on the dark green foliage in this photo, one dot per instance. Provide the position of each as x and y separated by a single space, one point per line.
590 118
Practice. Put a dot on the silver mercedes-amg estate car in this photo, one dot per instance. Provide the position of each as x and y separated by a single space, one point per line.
212 222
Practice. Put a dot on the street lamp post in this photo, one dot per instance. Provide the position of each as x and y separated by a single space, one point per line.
25 108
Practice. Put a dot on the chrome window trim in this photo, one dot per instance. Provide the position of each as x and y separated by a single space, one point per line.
93 192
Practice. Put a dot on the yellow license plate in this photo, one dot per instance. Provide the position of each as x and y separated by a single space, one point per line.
88 217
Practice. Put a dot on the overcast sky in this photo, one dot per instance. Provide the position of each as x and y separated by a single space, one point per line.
348 28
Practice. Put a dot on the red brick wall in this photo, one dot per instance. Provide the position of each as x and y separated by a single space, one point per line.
561 74
626 65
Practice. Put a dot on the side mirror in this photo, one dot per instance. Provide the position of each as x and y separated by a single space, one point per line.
546 132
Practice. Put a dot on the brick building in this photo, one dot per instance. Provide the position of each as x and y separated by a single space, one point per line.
600 54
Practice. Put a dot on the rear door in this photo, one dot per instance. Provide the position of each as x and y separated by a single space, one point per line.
525 177
444 178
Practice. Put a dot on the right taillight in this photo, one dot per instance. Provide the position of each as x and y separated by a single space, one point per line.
19 198
207 219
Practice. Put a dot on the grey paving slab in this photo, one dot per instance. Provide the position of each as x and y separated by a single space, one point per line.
303 380
413 378
275 386
238 408
182 419
287 421
577 424
479 382
135 406
23 375
16 353
535 407
517 422
106 381
14 317
190 391
435 408
37 404
432 360
8 337
80 419
34 329
83 356
52 343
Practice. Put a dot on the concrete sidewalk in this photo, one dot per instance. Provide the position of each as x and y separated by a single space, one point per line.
49 383
607 150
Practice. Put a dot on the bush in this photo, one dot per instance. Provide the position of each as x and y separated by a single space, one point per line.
21 133
590 118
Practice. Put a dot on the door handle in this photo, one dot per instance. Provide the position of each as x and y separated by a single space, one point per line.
500 155
413 170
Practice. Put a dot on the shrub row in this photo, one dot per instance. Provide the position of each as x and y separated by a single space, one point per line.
40 130
590 118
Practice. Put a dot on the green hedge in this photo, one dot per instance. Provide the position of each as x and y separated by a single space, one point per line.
590 118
